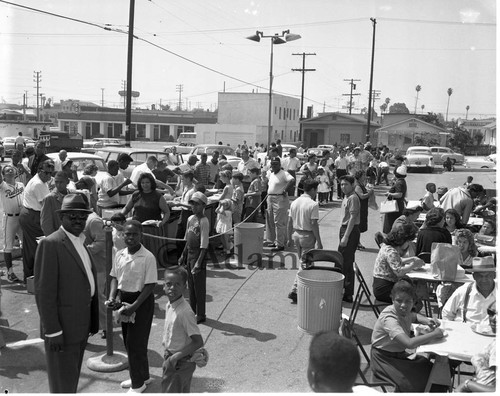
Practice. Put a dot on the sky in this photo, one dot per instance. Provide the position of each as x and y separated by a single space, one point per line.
201 45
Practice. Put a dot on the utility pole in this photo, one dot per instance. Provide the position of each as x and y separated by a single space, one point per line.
37 76
179 88
25 104
375 96
353 87
303 71
128 109
374 22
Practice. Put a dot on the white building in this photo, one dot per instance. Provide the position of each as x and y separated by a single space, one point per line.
244 116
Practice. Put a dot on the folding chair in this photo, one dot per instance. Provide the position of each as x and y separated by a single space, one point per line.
331 256
362 293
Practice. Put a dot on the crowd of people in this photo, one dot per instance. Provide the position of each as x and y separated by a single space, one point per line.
55 216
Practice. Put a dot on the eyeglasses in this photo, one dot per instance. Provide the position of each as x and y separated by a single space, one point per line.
77 216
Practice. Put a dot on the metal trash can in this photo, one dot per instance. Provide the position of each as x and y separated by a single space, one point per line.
319 300
249 242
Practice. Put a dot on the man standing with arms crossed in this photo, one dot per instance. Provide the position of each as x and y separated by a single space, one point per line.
277 205
66 295
349 233
303 227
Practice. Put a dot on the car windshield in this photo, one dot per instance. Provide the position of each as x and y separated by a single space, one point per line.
81 163
419 152
223 150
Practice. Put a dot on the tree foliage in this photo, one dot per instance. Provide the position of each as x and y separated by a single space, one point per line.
399 108
460 138
432 118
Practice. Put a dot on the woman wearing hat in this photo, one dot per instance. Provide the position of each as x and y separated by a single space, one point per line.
432 231
397 193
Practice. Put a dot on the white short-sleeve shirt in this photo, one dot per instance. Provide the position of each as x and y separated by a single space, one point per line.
133 271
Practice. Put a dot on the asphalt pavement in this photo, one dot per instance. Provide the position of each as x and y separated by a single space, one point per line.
251 332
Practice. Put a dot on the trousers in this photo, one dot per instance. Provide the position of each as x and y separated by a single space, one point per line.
348 254
30 224
304 241
276 218
177 379
136 337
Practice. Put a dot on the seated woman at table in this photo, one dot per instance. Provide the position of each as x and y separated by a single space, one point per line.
147 202
468 249
485 365
432 231
389 264
392 336
453 222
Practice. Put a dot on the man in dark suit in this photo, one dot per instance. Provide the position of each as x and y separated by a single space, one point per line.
66 295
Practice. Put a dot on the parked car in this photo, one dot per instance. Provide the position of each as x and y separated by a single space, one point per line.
329 147
9 143
138 155
91 145
419 157
480 162
493 157
227 151
81 160
317 151
440 154
286 152
181 148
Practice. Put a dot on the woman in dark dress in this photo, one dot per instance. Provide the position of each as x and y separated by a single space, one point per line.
398 193
363 194
147 203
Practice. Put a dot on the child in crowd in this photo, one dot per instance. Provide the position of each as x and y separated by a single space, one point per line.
469 181
323 187
193 255
307 175
428 199
181 335
253 196
237 197
329 174
333 363
371 172
224 224
225 178
117 221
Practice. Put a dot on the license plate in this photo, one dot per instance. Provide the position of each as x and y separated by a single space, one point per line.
417 162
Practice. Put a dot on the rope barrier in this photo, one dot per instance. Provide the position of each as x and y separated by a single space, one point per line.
213 236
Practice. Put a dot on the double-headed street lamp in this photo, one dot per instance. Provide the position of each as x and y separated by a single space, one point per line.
277 38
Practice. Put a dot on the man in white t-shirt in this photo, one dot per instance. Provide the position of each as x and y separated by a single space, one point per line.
277 205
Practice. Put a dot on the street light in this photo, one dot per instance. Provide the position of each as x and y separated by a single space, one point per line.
276 38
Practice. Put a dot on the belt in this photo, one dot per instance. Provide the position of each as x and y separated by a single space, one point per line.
33 210
283 193
12 214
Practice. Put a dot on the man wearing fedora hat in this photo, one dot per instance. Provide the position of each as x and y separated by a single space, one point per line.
469 302
66 295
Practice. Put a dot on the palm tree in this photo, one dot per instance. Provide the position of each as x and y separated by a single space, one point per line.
383 107
450 91
422 107
467 112
418 88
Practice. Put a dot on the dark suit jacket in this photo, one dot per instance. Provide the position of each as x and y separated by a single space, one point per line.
62 290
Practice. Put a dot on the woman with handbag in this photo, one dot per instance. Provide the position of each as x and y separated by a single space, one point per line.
397 193
390 266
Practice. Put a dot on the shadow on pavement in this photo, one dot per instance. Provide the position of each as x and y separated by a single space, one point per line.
18 362
223 274
11 335
229 329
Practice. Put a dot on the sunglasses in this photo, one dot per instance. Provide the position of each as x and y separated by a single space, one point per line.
77 216
47 172
491 312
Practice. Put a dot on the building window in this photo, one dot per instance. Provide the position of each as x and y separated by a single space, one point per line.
345 138
280 114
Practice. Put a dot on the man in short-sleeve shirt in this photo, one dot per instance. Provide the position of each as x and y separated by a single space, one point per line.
277 205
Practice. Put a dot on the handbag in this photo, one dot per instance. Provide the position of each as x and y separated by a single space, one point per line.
445 259
389 206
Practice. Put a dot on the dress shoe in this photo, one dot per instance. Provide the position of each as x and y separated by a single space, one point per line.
128 383
278 249
137 390
293 296
200 319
